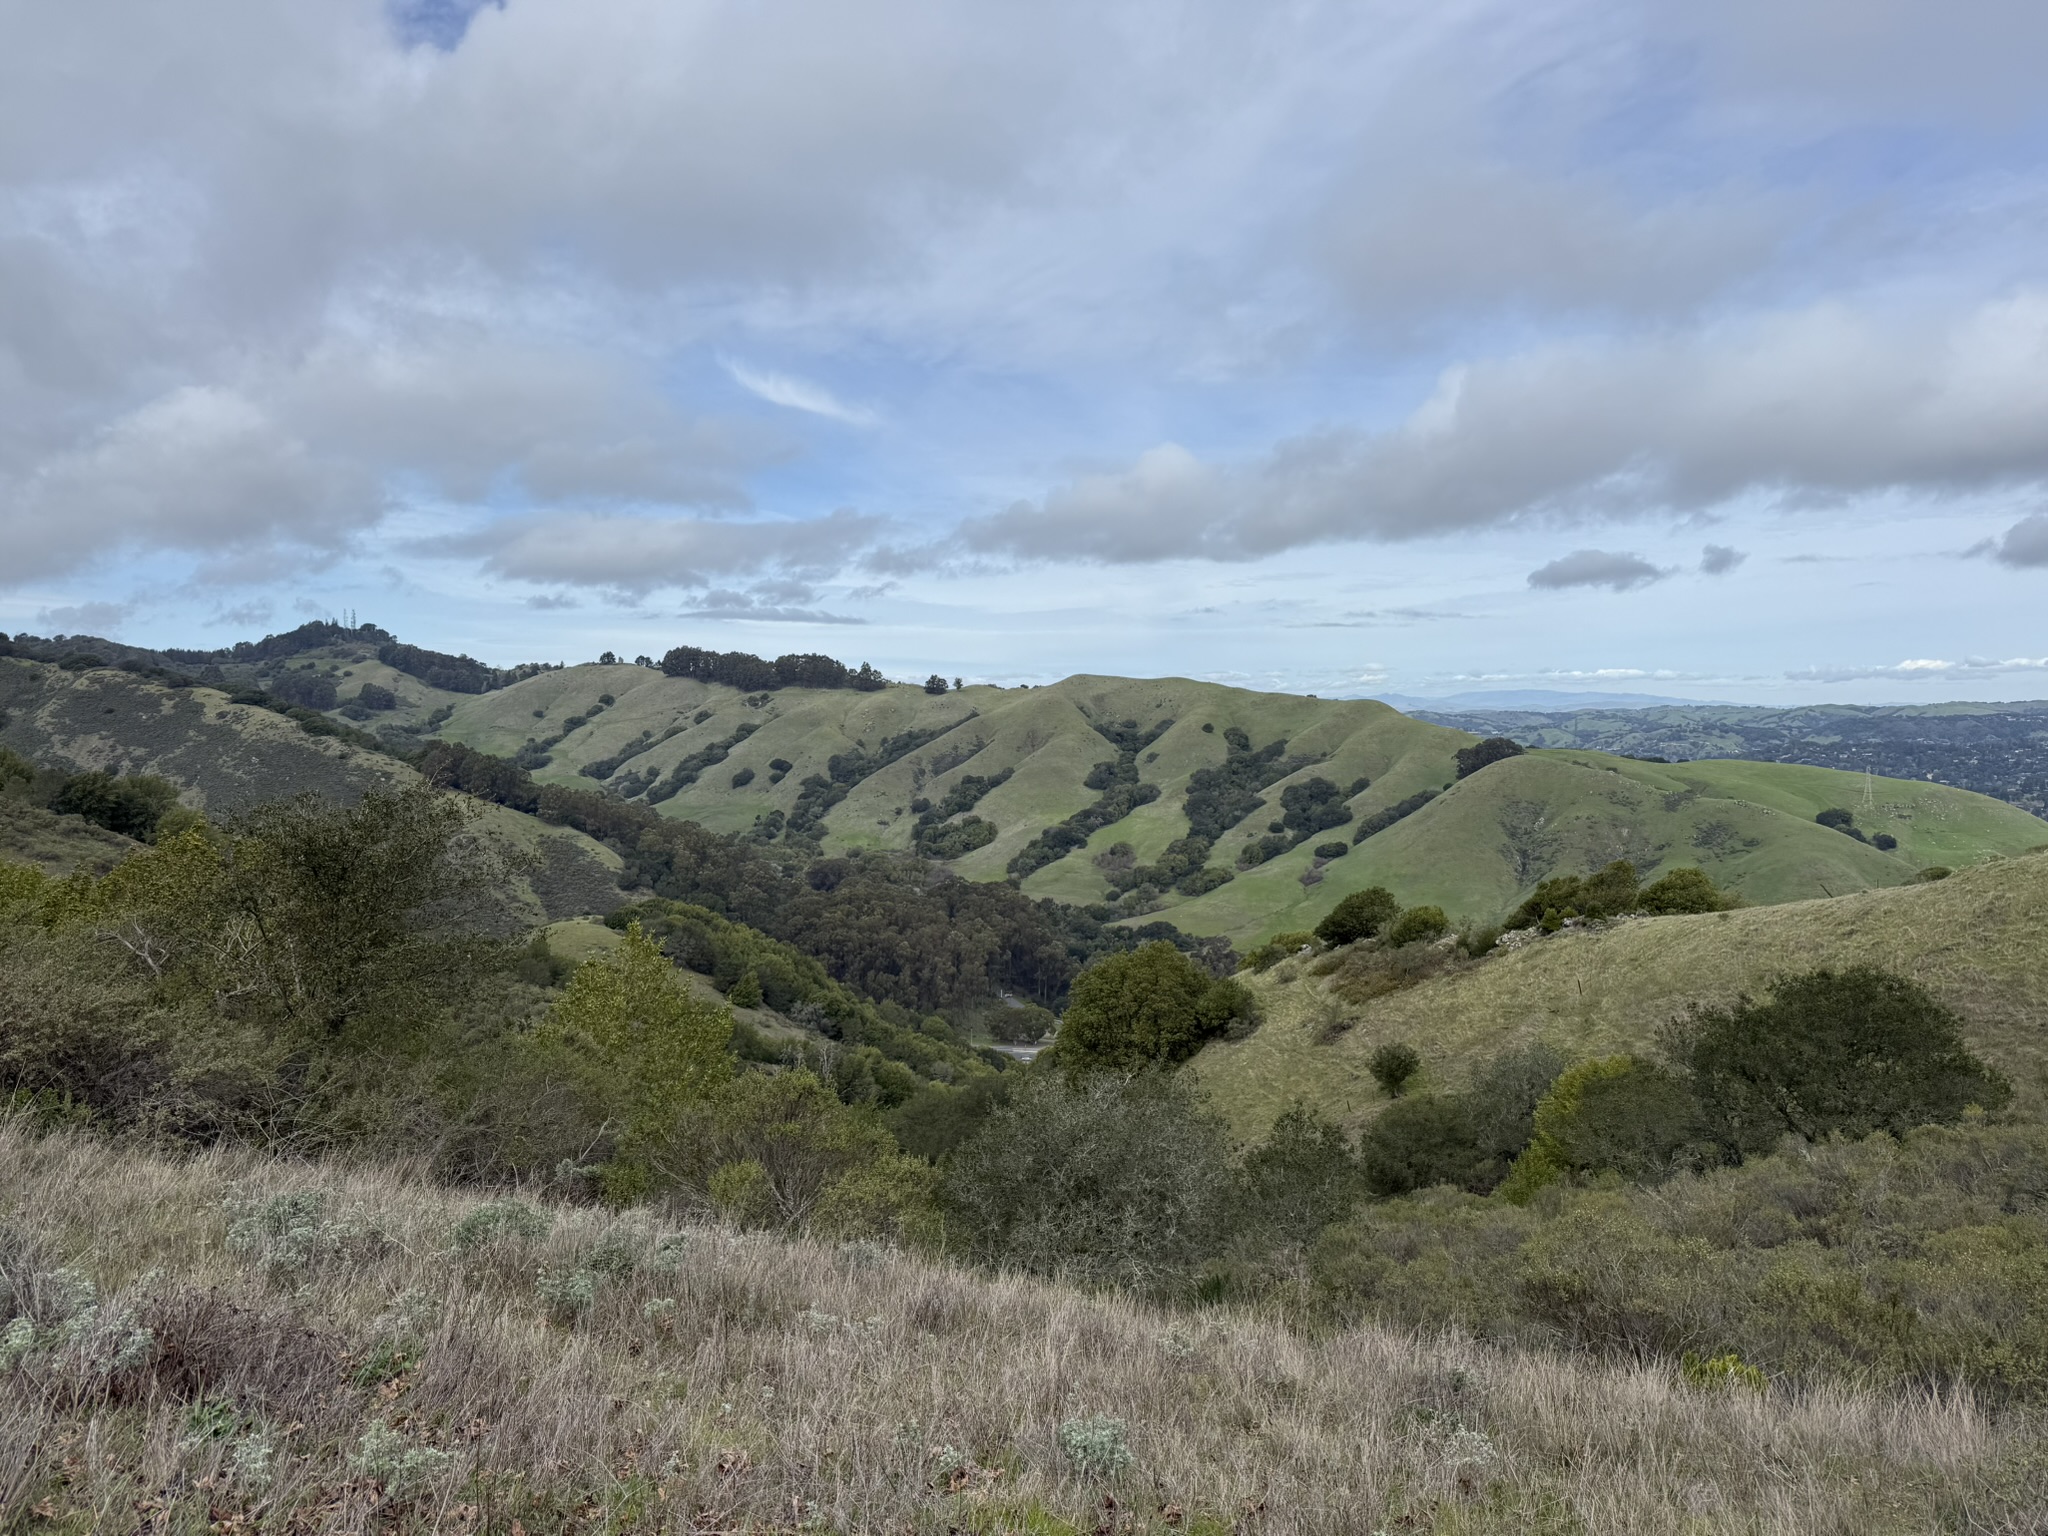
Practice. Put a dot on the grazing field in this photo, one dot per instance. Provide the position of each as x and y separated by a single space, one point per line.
228 1343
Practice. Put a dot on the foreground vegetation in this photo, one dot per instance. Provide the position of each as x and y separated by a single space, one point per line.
231 1342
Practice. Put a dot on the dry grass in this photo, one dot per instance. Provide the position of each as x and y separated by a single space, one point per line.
1973 939
726 1382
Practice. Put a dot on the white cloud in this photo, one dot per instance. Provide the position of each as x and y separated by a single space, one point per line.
1821 403
638 555
1924 670
797 395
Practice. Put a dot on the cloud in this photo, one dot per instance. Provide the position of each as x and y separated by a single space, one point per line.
638 555
86 618
1815 405
242 616
1720 559
551 602
1596 568
797 395
2025 542
1924 671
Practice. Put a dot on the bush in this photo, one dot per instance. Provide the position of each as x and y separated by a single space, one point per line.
1420 1141
1151 1006
1681 891
1360 915
1393 1066
935 684
1098 1446
372 696
743 778
1483 754
1832 1053
1619 1115
746 992
1335 850
1417 925
1108 1181
1884 842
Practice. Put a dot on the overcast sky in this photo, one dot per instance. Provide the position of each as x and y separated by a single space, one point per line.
1339 348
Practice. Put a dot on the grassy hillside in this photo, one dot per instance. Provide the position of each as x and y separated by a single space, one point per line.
1474 850
230 1343
1973 939
227 757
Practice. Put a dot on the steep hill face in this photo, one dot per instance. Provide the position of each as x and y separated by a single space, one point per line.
1972 939
901 768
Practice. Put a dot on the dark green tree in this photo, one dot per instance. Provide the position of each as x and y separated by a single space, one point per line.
1360 915
1483 754
1392 1067
1300 1179
1147 1007
1830 1053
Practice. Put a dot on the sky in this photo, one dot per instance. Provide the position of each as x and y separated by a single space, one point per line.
1336 348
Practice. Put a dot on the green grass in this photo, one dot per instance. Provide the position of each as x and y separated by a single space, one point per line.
1475 851
1974 939
57 845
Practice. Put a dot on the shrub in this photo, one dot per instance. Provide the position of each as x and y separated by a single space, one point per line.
1335 850
374 696
400 1466
1298 1181
1393 1066
1097 1446
1360 915
1683 890
1936 872
1483 754
1884 841
498 1220
1832 1053
935 684
1720 1372
1152 1006
1420 1141
566 1294
1108 1181
287 1235
743 778
1276 949
1418 924
1618 1115
746 992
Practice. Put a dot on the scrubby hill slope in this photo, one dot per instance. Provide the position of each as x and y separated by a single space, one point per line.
230 1343
1973 939
1475 849
226 757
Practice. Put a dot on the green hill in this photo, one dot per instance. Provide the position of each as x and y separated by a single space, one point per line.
992 769
1973 939
227 757
1475 849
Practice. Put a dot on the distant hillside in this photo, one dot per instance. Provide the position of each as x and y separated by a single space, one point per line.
1994 749
227 757
1974 939
1475 848
1215 808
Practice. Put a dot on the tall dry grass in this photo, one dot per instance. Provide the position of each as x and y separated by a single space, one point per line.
379 1377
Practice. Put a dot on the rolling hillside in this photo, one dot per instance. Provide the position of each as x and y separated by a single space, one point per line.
1974 939
977 777
1475 849
226 757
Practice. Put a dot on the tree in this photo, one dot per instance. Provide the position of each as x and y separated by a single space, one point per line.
746 992
1483 754
355 912
1683 890
935 684
656 1046
1151 1006
1421 1141
1618 1115
1360 915
1111 1180
1832 1053
1301 1179
1417 925
1393 1066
